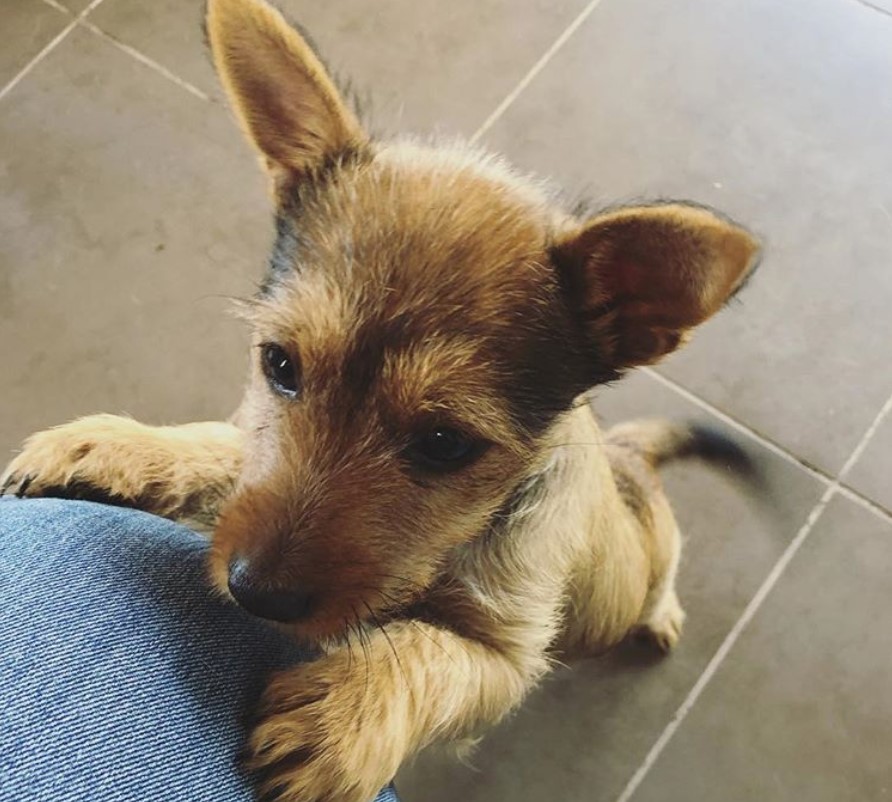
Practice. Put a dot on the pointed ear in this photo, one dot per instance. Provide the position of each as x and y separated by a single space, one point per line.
640 279
284 99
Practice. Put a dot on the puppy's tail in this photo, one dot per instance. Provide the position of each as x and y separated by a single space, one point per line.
661 441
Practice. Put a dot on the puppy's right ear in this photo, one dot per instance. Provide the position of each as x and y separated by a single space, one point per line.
640 279
284 99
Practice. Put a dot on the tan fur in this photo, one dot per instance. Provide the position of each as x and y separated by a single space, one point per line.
421 287
174 471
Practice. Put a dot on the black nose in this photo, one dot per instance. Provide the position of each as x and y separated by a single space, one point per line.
262 599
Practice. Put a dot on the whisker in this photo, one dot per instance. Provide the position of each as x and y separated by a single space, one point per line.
421 629
602 444
365 651
393 649
349 645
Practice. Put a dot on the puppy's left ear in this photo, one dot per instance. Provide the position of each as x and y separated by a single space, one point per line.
639 279
283 96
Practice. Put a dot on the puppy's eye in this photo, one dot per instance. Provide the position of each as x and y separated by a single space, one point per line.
444 449
280 370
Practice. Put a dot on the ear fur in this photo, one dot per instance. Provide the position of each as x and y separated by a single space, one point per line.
283 97
640 278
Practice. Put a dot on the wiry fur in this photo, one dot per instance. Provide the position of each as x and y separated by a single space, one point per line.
416 286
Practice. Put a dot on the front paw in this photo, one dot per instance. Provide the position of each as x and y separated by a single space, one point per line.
328 731
86 459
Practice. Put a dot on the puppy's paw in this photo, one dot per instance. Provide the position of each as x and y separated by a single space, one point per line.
98 458
664 627
326 732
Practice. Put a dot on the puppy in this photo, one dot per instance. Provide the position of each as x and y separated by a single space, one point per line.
414 480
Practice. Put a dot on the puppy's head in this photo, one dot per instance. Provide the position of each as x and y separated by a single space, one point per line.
426 318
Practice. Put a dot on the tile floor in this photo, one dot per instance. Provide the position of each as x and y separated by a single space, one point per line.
130 211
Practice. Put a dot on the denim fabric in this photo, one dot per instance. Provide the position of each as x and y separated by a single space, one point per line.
122 676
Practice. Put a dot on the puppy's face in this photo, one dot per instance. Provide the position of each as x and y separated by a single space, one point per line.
426 319
412 346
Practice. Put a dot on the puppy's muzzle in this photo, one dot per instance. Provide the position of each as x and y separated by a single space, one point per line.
263 599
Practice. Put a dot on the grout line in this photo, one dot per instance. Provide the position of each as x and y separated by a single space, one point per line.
873 7
58 7
866 503
763 441
130 51
145 60
751 609
865 440
726 646
769 445
534 71
16 80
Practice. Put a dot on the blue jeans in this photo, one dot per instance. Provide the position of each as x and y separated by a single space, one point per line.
122 676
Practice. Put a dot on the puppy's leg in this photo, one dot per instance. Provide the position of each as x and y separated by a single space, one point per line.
174 471
662 618
339 728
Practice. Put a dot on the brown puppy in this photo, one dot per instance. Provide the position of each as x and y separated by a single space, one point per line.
414 480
